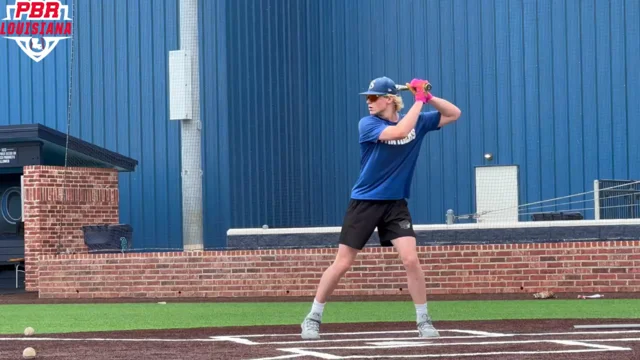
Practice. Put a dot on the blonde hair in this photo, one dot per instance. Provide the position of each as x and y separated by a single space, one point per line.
397 101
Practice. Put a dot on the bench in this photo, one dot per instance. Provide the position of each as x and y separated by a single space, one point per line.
12 253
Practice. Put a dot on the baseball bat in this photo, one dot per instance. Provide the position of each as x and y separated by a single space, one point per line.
406 88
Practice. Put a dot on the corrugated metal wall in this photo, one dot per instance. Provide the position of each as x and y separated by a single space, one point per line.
548 85
119 101
217 120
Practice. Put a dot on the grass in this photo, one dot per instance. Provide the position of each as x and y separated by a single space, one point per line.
65 318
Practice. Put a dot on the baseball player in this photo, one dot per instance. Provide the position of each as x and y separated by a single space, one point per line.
389 145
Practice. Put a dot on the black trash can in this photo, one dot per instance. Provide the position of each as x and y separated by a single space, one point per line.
108 238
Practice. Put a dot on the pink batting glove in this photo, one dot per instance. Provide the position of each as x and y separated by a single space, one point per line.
419 86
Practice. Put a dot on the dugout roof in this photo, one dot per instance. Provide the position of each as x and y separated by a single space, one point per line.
36 144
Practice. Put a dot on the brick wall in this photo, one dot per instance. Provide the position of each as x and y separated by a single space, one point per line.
567 267
57 202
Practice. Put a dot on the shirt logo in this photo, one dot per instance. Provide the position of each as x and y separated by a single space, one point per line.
406 140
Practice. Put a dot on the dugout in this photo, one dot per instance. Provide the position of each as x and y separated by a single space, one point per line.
36 144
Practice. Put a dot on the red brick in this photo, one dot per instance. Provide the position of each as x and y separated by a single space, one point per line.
297 272
48 213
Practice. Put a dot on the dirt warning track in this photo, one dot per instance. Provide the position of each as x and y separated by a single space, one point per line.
521 340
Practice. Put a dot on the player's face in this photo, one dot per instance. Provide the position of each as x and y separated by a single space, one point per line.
377 103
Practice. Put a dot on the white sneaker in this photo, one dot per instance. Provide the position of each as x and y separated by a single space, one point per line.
426 329
310 328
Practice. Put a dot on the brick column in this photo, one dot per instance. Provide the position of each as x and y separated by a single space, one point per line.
57 203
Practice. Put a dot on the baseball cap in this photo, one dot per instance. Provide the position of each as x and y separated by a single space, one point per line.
381 86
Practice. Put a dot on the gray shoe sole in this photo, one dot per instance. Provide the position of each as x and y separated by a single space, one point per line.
309 335
430 334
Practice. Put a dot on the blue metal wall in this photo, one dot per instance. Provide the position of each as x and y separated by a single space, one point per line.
119 101
551 86
217 120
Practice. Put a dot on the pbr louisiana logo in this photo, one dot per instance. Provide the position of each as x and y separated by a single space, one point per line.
37 26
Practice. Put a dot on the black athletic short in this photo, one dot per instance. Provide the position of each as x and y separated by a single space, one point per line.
391 217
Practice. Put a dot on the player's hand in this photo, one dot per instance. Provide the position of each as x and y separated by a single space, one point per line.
417 88
411 88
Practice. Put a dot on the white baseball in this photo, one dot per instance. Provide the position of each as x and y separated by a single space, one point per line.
29 353
28 331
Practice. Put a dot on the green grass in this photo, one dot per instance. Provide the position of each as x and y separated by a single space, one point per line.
64 318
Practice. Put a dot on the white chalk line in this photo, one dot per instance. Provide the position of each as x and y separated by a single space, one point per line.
415 338
425 343
292 356
422 356
323 355
364 333
475 334
585 344
614 340
481 333
583 333
301 352
485 334
235 338
394 344
496 353
103 339
332 333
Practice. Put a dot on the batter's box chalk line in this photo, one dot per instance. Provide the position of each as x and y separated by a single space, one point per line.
369 344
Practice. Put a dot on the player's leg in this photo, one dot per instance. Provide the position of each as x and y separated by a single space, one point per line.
330 279
359 223
397 230
332 275
406 247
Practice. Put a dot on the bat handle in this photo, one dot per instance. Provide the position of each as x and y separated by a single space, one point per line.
428 87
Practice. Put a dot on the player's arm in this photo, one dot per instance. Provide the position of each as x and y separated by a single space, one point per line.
408 123
404 126
448 112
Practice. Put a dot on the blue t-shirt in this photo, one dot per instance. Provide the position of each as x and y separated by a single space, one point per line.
386 167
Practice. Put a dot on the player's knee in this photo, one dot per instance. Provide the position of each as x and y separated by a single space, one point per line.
344 259
342 264
411 262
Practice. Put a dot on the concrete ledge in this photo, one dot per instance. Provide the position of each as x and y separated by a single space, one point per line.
441 235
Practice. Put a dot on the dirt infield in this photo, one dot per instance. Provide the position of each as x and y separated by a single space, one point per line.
514 340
